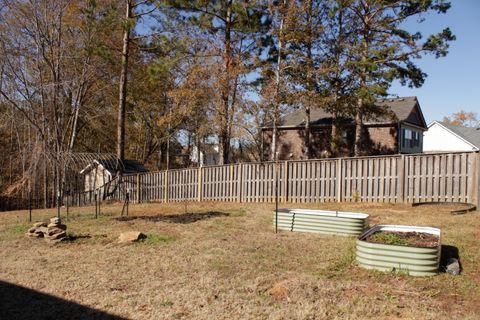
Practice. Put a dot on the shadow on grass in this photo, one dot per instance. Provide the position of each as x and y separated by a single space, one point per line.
75 237
183 218
449 252
23 303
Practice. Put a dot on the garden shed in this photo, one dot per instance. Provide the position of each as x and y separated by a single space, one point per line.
102 171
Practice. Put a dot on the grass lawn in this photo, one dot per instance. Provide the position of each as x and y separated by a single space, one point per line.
224 261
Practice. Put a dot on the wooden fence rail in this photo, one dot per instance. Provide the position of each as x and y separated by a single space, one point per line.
444 177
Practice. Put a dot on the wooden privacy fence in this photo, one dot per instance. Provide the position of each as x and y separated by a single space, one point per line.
449 177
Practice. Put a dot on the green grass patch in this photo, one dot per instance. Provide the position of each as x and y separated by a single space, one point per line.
339 266
166 303
13 231
155 239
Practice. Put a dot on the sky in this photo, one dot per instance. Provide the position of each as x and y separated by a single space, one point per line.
453 82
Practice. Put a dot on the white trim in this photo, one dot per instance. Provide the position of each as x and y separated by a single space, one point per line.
89 167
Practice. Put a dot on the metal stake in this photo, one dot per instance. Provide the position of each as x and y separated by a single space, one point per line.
58 204
128 200
30 205
68 193
96 209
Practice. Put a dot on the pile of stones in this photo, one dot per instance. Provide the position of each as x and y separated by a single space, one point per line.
54 231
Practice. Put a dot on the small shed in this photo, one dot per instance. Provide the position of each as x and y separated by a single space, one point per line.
101 171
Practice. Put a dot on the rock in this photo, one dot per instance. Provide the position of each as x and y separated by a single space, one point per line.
131 236
453 267
41 230
54 230
55 236
55 220
39 224
61 226
34 235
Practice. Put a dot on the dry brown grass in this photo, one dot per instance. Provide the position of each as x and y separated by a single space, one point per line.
233 266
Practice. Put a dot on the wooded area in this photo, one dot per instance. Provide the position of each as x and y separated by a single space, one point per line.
160 80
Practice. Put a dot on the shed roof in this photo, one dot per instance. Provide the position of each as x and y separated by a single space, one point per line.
398 109
128 166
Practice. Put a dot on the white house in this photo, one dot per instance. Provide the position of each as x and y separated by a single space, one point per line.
209 155
442 136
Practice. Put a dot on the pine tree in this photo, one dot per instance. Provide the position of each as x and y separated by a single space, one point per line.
231 29
385 51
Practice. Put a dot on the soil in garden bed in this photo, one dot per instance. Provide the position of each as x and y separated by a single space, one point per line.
411 239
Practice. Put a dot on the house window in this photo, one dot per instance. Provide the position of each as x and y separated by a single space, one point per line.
410 138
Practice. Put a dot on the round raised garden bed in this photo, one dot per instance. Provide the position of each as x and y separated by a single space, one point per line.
320 221
410 249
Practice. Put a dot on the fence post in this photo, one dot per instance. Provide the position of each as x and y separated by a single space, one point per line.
165 187
285 181
138 189
200 182
229 196
240 183
401 179
475 182
339 180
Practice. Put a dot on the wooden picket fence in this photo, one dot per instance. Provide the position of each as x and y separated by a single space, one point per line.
445 177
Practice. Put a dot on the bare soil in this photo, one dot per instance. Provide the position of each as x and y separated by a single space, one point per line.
411 239
224 261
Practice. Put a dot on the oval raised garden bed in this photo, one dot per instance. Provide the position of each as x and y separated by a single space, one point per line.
320 221
410 249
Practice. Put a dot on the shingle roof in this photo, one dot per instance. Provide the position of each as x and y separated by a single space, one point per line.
472 135
401 108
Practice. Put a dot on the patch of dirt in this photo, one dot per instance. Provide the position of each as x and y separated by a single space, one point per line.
412 239
279 293
177 218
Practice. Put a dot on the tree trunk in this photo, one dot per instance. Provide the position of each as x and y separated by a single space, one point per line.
199 152
277 88
224 138
334 143
310 84
358 128
363 84
123 88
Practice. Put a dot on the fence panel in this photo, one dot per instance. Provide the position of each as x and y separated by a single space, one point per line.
449 177
440 177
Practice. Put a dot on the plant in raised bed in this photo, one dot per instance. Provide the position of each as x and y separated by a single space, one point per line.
410 249
412 239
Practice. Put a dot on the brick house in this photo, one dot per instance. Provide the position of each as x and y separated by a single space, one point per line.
399 129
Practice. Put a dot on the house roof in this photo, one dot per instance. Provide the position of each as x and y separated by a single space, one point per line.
471 135
128 166
404 109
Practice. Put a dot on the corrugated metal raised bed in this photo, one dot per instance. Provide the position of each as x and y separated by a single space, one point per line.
416 261
320 221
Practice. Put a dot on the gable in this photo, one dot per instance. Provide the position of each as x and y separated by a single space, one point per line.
416 117
440 138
